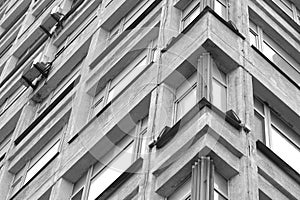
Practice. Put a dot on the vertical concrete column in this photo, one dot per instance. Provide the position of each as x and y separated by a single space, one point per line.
160 115
238 14
62 190
240 99
205 62
170 23
82 102
236 91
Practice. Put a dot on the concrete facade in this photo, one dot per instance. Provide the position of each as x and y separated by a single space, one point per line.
131 94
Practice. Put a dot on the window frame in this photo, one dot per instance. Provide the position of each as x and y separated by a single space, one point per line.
291 64
195 6
215 78
187 195
294 15
133 141
101 98
125 21
23 172
267 114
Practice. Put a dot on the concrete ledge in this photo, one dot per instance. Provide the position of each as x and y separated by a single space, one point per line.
181 166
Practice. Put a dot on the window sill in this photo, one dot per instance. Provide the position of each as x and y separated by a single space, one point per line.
129 172
278 161
275 66
168 133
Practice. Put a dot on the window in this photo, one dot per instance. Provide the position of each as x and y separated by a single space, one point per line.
190 13
126 21
276 134
124 78
253 32
36 166
186 95
84 26
102 174
8 102
273 51
219 88
37 163
195 7
220 186
110 172
289 8
71 79
221 8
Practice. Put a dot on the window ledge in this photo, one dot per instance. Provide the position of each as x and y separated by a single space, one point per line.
206 10
126 32
275 66
278 161
129 172
19 139
168 133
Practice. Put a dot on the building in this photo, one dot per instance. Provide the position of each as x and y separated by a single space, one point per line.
149 99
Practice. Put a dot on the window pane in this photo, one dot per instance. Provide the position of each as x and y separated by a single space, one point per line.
220 8
270 52
78 196
125 81
191 16
220 184
42 162
285 149
186 103
110 173
259 126
79 184
259 106
219 97
217 196
182 192
253 38
286 6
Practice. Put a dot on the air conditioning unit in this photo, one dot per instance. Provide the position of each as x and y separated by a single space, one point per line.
51 20
38 69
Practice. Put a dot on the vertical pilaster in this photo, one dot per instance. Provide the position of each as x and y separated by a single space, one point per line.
204 76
